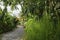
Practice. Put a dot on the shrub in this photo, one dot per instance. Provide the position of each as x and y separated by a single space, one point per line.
7 23
42 30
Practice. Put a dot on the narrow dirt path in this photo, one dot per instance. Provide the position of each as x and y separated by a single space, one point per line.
16 34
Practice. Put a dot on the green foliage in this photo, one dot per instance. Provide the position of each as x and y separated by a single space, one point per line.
7 23
39 25
42 30
35 7
42 26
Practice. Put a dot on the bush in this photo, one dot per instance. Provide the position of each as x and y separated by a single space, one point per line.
42 30
7 23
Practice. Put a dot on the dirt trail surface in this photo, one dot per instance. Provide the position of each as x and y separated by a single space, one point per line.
16 34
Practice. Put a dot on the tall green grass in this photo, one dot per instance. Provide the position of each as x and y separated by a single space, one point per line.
42 30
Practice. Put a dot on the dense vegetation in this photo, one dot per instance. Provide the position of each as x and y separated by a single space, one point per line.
43 19
7 22
40 17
